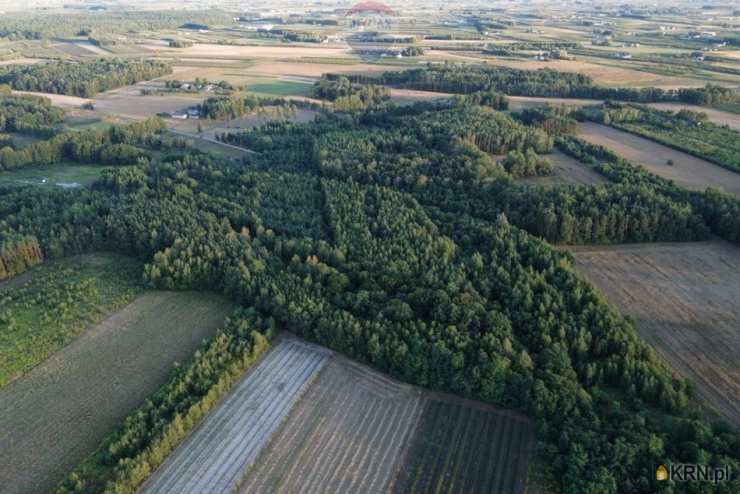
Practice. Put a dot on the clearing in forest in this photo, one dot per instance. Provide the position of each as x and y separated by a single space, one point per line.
60 411
686 170
566 170
684 301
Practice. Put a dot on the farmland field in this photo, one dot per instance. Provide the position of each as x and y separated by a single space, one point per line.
684 300
566 170
358 431
687 171
58 413
47 307
215 457
61 175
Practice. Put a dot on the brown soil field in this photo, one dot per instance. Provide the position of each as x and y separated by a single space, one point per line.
567 170
687 171
684 301
59 412
356 430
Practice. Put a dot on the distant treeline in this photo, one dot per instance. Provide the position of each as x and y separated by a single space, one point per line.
37 26
82 79
543 82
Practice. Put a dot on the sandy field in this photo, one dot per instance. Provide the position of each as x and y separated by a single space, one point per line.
687 171
684 301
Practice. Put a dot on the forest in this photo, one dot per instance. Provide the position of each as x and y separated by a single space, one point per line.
83 79
391 234
464 79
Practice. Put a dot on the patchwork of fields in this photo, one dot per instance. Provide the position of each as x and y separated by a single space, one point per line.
684 300
308 420
59 412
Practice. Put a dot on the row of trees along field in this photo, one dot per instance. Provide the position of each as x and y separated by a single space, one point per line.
84 79
25 25
236 105
118 145
464 79
685 130
430 277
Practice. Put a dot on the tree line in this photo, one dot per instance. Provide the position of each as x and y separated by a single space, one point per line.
464 79
348 96
83 79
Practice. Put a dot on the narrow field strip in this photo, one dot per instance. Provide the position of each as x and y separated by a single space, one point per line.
215 457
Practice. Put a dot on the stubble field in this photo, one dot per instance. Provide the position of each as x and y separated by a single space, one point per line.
684 300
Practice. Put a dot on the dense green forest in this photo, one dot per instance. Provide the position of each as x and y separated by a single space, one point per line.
464 79
392 235
685 130
23 25
84 79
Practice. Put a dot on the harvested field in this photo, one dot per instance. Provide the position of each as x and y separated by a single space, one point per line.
566 170
684 300
216 456
412 96
61 100
348 435
462 446
356 430
60 411
518 103
687 171
214 51
127 102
